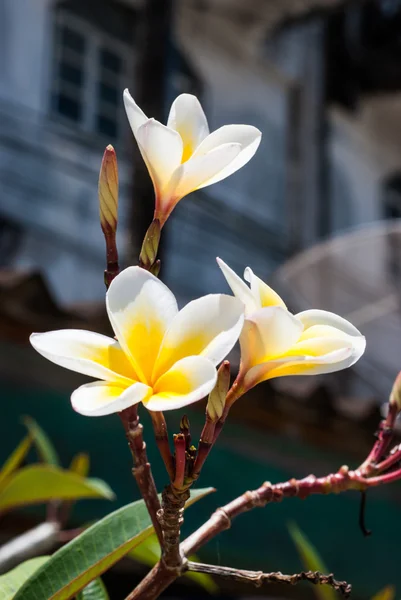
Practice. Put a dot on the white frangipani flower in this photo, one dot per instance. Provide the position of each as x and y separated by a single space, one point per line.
161 357
275 343
184 156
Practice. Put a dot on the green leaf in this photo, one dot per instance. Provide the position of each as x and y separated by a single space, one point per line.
95 590
80 464
312 561
40 483
148 553
87 556
15 459
42 442
11 582
387 593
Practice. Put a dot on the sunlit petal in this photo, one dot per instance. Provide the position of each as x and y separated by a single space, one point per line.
322 317
85 352
102 398
246 135
268 334
188 381
161 150
187 117
260 289
197 172
136 116
140 309
208 326
239 288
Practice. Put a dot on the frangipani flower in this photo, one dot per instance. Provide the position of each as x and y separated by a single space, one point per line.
275 343
183 156
162 357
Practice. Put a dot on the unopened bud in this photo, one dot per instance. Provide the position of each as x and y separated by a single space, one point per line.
150 245
108 191
395 396
217 397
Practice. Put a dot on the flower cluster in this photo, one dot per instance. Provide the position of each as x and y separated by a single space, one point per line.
166 358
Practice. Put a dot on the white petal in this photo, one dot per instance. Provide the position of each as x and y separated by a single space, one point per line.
208 327
322 317
140 308
136 116
187 117
299 365
198 172
188 381
260 289
239 288
85 352
101 398
161 149
248 136
269 333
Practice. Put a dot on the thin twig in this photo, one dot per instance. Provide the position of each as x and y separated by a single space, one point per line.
258 578
39 540
161 436
142 470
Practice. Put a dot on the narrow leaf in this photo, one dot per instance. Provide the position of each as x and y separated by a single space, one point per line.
312 561
40 483
148 553
80 464
11 582
95 590
42 442
86 557
15 459
387 593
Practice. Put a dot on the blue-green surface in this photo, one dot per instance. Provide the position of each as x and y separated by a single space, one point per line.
258 539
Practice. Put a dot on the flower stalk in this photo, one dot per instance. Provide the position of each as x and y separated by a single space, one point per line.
108 209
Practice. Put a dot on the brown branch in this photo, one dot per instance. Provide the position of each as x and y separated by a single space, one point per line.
142 469
171 518
161 436
258 578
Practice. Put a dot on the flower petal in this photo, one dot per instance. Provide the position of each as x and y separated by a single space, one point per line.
161 149
246 135
199 171
299 365
260 289
208 327
85 352
239 288
187 117
188 381
136 116
322 317
268 334
101 398
140 308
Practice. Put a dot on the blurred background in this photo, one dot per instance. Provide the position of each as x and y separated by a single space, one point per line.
316 213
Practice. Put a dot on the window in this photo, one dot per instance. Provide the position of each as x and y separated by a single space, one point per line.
91 68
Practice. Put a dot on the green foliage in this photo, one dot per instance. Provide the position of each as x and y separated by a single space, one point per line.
41 483
11 582
89 555
95 590
387 593
80 464
15 459
45 448
148 553
312 561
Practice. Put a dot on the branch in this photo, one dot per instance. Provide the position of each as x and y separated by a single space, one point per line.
258 578
39 540
142 470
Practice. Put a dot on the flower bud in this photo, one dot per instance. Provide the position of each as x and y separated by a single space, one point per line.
150 245
395 396
108 191
217 397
